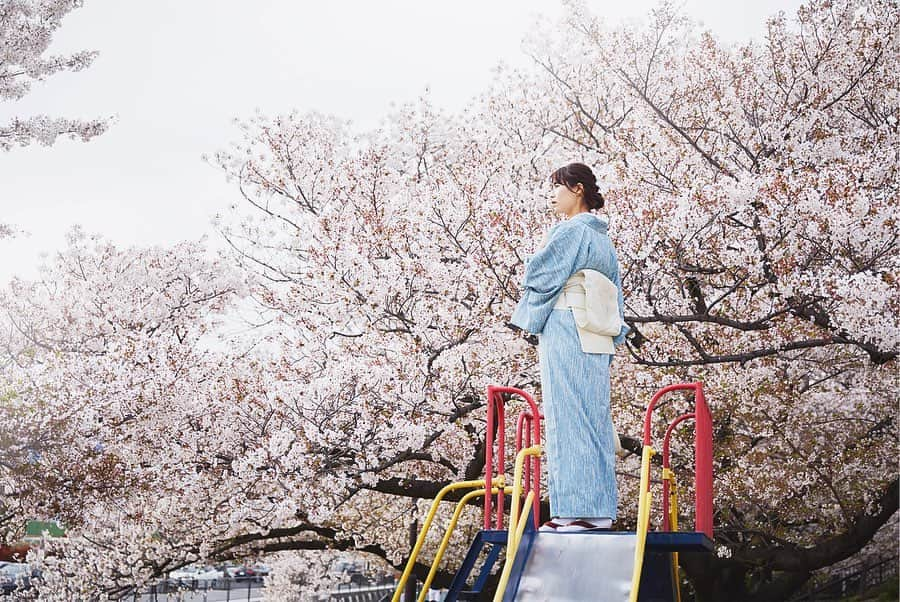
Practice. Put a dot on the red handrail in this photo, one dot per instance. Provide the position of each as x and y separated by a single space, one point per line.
528 432
495 399
531 478
703 466
666 525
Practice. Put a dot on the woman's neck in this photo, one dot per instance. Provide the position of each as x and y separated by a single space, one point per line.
577 212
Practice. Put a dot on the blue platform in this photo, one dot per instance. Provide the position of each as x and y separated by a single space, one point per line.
656 577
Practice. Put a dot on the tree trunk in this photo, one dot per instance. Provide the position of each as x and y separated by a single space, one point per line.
410 594
716 579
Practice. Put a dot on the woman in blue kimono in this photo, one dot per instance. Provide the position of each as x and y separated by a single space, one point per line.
580 437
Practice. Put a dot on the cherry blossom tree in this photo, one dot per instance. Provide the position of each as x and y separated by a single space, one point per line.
762 181
27 28
107 417
753 202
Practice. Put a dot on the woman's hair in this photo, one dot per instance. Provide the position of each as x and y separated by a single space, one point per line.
579 173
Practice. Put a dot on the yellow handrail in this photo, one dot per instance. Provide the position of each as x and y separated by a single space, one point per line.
669 474
534 450
407 571
516 526
643 523
449 533
511 547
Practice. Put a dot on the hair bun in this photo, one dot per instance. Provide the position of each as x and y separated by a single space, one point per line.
594 199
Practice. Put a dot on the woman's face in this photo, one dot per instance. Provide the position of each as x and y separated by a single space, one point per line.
568 203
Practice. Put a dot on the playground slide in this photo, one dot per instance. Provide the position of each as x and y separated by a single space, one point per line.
577 566
595 566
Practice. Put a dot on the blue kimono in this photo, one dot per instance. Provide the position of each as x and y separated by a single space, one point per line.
575 386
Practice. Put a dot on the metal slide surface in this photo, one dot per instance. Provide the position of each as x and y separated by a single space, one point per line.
589 567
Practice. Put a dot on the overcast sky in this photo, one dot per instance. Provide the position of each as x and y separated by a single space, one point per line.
175 73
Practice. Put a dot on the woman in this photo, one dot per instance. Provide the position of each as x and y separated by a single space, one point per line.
564 283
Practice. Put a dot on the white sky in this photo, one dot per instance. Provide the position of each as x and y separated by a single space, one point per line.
175 72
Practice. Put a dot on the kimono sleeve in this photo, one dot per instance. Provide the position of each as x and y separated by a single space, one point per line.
545 274
543 243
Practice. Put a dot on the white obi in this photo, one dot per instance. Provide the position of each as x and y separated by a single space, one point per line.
594 300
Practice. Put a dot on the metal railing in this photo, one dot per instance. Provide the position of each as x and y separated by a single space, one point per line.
362 593
703 458
231 590
528 434
853 580
211 590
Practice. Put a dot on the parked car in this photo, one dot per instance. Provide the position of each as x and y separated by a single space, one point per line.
257 571
384 578
201 576
236 572
8 584
15 576
353 572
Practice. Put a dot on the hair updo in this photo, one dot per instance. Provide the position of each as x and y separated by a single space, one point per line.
579 173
